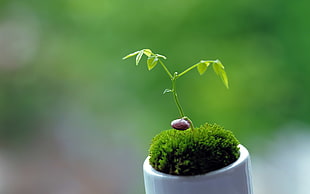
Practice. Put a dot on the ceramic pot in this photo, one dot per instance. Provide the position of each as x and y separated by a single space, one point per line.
232 179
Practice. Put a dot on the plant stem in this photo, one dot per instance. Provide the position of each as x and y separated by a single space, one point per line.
190 122
175 95
166 69
192 67
187 70
173 79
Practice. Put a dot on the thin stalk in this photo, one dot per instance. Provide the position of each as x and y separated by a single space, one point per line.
166 69
191 124
187 70
173 79
175 96
177 102
192 67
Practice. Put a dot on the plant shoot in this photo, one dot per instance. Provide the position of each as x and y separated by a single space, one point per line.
154 59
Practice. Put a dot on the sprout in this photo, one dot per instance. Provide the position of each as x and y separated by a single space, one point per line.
189 152
154 59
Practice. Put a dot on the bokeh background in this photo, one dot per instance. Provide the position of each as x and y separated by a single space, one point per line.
75 118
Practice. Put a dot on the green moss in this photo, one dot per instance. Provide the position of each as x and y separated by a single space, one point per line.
193 152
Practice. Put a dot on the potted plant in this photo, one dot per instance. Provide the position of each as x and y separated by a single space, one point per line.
194 160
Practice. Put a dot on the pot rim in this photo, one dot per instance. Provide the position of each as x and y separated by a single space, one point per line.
244 155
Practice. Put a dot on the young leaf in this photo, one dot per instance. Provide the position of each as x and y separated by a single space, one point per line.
151 62
138 58
131 55
167 91
147 52
218 68
162 56
202 67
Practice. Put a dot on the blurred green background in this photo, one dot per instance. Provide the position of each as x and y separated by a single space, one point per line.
68 101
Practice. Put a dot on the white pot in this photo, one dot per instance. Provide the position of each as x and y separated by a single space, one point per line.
232 179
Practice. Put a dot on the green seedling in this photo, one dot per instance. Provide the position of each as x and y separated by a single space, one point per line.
189 152
153 59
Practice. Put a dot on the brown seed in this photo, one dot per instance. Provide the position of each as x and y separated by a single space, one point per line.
180 124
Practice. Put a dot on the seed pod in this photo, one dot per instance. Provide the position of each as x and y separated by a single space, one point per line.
180 124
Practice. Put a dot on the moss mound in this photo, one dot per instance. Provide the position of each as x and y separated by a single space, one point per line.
193 152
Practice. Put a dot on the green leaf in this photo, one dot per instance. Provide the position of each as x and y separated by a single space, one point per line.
202 67
138 58
167 91
148 52
161 56
218 68
152 62
131 55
